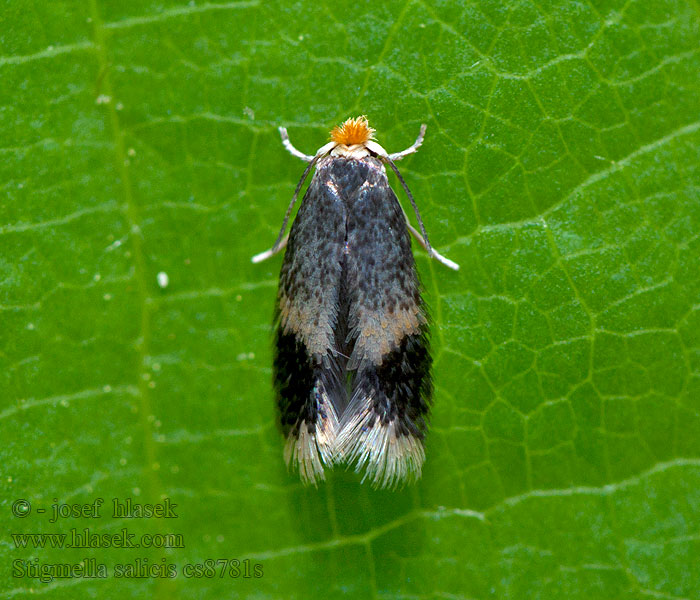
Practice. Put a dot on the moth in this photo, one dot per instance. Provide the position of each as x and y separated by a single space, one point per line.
352 361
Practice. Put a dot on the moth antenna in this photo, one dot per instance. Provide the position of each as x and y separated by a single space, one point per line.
271 252
436 255
428 247
433 253
278 242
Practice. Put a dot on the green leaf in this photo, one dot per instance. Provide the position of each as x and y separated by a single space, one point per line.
561 169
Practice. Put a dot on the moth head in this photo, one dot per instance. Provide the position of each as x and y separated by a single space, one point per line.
353 132
353 138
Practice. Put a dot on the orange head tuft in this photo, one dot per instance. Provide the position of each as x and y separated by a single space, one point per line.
353 131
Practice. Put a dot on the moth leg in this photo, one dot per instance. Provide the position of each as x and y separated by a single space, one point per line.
272 251
411 149
291 149
430 250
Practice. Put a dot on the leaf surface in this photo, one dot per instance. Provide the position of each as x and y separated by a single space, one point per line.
561 169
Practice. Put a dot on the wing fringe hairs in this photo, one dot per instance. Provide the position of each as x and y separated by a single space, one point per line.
387 457
352 367
313 447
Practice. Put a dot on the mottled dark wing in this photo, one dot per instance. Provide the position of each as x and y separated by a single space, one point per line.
382 429
307 374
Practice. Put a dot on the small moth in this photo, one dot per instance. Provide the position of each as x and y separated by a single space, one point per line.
352 363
